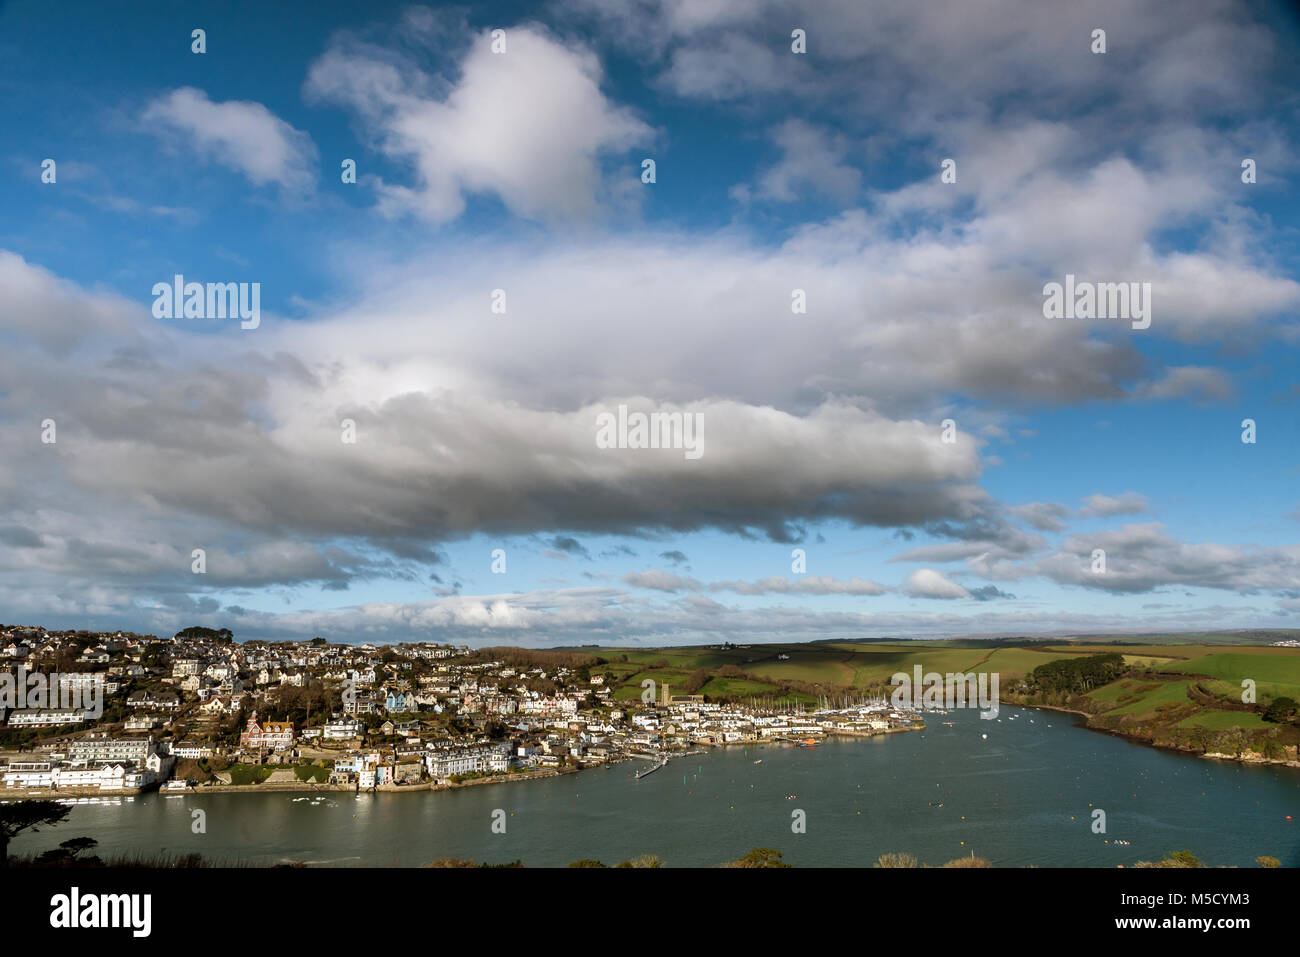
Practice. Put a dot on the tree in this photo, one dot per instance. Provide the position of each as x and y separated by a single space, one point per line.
696 680
1078 675
1280 710
1174 859
760 857
76 845
155 655
65 855
27 816
222 636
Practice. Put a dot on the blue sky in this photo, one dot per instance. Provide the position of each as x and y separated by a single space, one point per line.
775 171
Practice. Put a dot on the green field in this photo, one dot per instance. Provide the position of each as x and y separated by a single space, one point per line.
1274 675
738 687
1147 661
1149 701
807 670
1223 720
1146 702
1176 712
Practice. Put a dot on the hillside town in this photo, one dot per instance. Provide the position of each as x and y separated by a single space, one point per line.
90 713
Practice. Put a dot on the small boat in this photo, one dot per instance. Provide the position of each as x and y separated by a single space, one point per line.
759 761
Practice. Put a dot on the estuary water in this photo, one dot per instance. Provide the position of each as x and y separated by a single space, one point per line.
1023 795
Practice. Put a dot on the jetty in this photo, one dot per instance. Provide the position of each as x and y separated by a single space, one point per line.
663 762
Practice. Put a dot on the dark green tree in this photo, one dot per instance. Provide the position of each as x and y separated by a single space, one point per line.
27 816
1281 710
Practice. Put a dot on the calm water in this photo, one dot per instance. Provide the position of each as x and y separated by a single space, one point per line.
1023 796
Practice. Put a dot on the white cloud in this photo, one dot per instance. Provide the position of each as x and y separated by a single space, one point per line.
659 580
240 134
1044 516
530 126
928 583
1130 503
812 161
1189 382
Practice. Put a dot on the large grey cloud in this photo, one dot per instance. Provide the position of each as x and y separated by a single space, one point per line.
924 62
1142 558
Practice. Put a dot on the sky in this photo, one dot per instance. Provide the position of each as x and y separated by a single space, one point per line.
838 269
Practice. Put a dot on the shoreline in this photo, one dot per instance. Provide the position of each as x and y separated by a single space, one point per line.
1256 759
306 788
311 787
50 794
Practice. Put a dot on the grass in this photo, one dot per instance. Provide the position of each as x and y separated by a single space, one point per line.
1110 695
1223 720
814 668
249 773
737 687
1147 661
141 860
1274 675
311 772
1146 703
